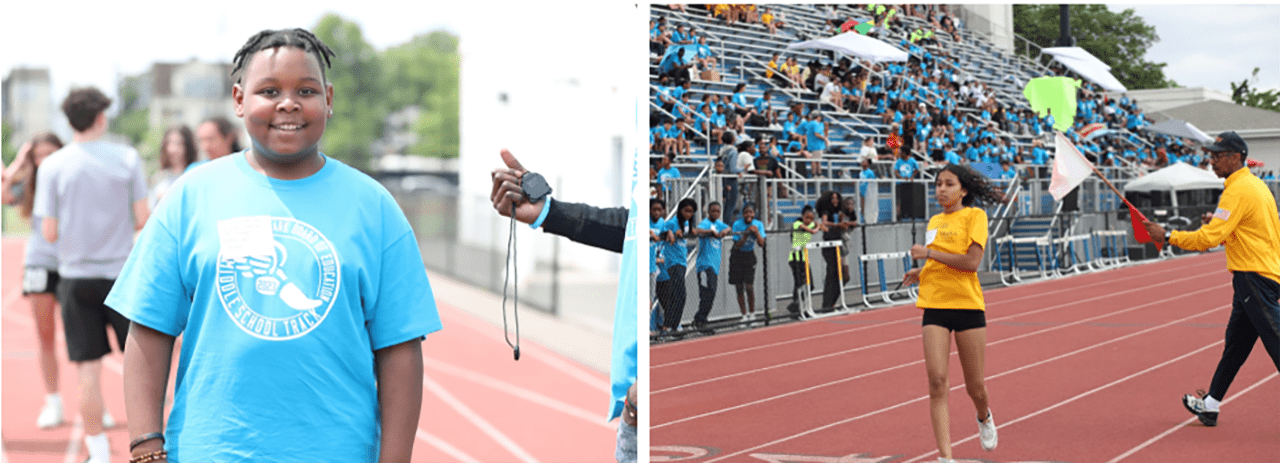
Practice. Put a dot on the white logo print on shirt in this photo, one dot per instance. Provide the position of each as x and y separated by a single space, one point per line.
277 277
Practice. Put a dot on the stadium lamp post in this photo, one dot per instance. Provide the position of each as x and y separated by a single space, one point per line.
1064 27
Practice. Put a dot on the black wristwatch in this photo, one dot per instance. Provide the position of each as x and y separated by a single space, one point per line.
535 187
1168 235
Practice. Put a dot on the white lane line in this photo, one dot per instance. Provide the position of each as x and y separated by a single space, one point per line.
470 415
73 442
519 392
961 385
916 336
1188 421
1079 396
995 303
916 318
445 447
553 359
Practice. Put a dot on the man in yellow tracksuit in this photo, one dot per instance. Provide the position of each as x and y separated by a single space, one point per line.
1247 224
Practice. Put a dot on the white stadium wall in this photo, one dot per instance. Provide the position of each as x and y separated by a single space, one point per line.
554 92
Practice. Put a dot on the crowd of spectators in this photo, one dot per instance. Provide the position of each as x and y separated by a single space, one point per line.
943 114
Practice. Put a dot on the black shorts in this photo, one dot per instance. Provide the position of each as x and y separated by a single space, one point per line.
955 319
36 280
742 267
85 318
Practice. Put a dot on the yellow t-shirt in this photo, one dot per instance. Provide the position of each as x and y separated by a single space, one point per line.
1245 223
944 287
768 72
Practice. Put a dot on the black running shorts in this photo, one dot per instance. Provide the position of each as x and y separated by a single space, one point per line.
955 319
742 267
85 318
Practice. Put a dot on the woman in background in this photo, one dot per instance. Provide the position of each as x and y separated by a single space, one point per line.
177 151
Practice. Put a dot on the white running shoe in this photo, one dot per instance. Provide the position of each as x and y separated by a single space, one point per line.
987 432
51 414
945 460
108 421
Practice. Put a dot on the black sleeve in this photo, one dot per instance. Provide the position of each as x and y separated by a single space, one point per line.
603 228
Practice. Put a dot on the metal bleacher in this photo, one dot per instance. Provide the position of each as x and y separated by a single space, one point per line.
1030 236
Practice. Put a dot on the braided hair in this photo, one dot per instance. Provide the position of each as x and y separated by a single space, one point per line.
268 39
980 190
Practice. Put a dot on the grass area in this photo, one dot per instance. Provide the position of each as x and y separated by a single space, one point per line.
13 223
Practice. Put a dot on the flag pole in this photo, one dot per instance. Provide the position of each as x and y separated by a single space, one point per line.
1132 209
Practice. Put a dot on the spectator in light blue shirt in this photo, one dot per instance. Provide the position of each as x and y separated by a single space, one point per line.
1006 169
906 166
1038 154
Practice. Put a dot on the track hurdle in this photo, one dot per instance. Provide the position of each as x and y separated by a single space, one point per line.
884 294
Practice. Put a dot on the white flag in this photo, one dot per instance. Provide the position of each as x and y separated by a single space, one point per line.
1070 168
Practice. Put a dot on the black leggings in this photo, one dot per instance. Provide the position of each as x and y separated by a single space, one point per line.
672 295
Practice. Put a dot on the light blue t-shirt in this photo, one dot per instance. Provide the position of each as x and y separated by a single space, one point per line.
660 270
867 174
676 253
666 174
282 290
709 246
624 355
739 226
812 130
906 167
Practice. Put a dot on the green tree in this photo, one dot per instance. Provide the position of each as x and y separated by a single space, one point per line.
359 100
424 73
1119 39
134 121
1245 94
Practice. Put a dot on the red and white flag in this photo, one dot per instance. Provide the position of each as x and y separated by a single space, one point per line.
1070 168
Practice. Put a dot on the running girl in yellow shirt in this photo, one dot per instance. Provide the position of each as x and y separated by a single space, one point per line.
952 298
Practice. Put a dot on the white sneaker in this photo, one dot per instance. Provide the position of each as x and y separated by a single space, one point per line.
945 460
107 420
987 432
51 414
99 448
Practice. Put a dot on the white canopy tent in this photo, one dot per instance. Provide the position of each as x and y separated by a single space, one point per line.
855 44
1087 65
1180 128
1177 177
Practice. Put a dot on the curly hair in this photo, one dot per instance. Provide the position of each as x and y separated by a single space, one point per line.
980 191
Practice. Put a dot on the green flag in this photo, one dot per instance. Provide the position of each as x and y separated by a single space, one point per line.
1054 95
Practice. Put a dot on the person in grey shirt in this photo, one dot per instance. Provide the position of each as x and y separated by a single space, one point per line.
91 198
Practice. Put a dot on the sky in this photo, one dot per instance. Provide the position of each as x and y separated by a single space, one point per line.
1213 45
126 37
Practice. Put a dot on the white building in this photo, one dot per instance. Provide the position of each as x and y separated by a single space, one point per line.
562 97
28 105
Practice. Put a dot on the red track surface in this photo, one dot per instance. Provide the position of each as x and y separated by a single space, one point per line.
1083 369
478 404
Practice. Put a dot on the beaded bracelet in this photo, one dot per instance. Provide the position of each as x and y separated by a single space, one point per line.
150 457
144 438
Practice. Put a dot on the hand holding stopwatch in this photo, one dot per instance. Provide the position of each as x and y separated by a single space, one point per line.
535 189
